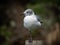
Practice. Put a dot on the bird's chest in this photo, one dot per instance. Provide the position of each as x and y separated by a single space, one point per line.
29 21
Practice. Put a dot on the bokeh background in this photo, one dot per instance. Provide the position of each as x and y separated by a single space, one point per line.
12 31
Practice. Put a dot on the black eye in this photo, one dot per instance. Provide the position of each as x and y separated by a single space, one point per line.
27 12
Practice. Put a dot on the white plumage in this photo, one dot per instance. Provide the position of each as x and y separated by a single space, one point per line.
31 21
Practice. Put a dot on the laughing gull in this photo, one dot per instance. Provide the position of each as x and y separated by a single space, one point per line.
31 21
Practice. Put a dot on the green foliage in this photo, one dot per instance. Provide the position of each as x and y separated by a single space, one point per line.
5 32
38 8
44 1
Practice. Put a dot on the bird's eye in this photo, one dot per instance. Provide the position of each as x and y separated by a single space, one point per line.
27 12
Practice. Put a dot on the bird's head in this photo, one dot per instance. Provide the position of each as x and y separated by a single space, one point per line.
28 12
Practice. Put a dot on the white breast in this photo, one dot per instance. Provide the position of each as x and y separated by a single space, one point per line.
30 22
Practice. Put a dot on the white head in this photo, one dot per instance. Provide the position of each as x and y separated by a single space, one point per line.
28 12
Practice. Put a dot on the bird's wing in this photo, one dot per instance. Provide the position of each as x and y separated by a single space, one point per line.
39 18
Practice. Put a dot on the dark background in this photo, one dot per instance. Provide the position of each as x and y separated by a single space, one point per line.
12 31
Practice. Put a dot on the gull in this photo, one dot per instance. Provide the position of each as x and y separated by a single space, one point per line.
31 21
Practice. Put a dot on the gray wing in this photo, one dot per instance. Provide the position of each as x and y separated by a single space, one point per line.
39 18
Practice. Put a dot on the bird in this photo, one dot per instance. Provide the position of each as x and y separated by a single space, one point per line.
31 21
